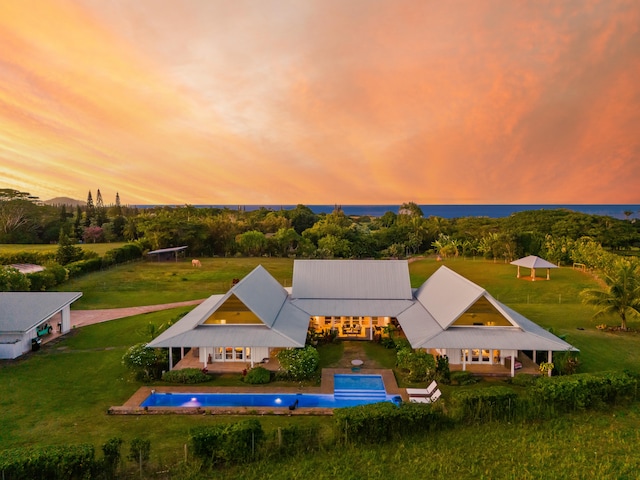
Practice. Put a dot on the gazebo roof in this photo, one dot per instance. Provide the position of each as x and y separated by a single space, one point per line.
533 262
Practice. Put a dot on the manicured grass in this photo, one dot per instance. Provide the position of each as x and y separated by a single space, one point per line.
99 248
61 394
151 283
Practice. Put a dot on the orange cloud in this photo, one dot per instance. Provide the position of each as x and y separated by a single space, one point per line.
321 102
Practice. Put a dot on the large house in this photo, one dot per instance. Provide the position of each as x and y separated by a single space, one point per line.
358 299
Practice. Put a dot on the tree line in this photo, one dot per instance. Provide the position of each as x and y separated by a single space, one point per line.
300 232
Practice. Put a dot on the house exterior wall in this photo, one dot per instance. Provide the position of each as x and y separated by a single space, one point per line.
10 346
220 354
14 345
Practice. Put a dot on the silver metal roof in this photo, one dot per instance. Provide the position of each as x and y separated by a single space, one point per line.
261 293
426 319
351 279
446 295
227 335
21 311
167 250
533 262
337 307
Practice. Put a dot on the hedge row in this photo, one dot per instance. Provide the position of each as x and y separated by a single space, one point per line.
56 462
37 258
547 397
585 390
382 422
486 404
185 375
126 253
227 444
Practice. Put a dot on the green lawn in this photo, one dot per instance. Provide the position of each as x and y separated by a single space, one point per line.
61 394
151 283
99 248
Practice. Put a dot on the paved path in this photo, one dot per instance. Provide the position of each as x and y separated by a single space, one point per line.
80 318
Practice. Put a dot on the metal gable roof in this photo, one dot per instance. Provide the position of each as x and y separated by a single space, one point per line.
227 335
351 279
352 308
446 295
21 311
261 293
418 324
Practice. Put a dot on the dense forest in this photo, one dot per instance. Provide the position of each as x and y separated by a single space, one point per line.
552 234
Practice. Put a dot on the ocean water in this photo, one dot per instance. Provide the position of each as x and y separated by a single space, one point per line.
447 211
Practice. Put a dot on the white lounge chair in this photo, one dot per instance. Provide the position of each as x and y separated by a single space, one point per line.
436 395
425 392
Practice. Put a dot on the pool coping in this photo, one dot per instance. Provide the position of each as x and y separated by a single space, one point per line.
133 405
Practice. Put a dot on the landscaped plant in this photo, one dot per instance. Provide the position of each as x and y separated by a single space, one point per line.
186 375
481 405
443 374
546 367
299 363
111 451
146 363
51 462
257 375
140 450
229 443
463 378
420 365
621 296
385 421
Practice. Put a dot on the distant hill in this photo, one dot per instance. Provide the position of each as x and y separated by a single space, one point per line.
64 201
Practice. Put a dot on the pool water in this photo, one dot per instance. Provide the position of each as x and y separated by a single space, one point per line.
349 391
357 382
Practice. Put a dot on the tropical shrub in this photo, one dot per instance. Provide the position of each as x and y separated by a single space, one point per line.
111 452
11 280
421 366
140 450
146 363
463 378
257 375
299 363
186 375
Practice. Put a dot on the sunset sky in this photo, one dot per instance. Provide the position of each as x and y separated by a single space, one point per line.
321 101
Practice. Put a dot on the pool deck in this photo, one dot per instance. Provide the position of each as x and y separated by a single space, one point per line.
132 406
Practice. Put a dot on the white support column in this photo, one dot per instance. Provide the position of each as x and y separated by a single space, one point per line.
65 315
464 360
550 361
533 274
170 358
534 357
518 275
513 364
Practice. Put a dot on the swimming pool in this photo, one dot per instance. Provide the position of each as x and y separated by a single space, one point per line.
348 392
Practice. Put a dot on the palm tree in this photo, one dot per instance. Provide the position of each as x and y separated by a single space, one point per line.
621 295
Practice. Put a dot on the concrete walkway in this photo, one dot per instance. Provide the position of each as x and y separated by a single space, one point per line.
80 318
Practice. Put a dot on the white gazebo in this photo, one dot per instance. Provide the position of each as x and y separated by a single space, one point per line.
533 262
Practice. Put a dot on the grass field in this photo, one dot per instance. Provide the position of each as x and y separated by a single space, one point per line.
61 394
99 248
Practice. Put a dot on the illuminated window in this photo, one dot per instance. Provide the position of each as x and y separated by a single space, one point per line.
217 353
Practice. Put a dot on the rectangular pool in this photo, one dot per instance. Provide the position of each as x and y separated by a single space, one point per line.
349 391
